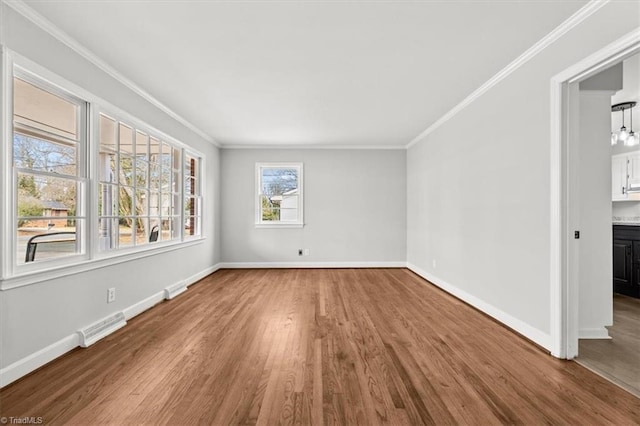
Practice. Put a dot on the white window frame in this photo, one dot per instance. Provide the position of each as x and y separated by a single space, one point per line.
60 89
198 195
137 125
13 275
259 222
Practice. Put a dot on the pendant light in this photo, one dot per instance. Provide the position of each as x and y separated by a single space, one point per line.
632 138
623 136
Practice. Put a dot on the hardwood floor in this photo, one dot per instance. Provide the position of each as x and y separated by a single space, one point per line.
617 359
367 346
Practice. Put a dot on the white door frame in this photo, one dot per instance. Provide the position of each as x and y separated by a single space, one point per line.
563 261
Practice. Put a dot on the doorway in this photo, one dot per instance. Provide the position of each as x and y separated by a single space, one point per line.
567 196
615 354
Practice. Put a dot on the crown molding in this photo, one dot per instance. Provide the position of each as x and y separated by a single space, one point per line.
50 28
315 146
574 20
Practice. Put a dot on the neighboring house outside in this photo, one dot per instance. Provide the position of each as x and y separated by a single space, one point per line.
54 209
288 203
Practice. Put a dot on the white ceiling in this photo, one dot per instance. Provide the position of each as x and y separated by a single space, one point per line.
337 73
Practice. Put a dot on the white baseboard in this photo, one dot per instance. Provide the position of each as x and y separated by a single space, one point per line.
593 333
539 337
143 305
296 265
200 275
37 359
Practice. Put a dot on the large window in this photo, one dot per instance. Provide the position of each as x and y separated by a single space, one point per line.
48 152
79 197
279 199
140 191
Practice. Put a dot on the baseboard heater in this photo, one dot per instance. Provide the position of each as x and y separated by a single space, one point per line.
100 329
174 290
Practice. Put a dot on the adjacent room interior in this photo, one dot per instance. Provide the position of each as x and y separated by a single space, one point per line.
612 350
325 212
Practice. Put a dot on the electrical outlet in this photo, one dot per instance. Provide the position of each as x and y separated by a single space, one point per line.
306 252
434 264
299 252
111 295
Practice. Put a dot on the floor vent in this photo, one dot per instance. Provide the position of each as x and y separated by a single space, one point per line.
174 290
103 328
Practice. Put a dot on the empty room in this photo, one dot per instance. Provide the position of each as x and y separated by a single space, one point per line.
319 212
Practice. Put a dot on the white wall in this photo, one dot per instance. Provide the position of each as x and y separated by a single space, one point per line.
478 186
595 306
626 211
355 207
38 315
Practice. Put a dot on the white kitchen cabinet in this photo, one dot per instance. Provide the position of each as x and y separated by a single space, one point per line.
625 175
633 170
619 177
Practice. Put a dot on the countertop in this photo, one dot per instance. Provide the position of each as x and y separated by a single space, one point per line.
627 223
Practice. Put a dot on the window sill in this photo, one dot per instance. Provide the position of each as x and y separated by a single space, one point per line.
279 225
24 278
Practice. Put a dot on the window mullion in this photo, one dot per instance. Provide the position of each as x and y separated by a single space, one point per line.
91 157
6 174
181 194
117 185
134 177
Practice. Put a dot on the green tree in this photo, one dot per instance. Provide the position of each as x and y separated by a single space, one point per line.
268 211
28 206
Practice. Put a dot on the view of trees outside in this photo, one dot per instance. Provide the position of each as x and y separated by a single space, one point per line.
45 157
275 183
140 186
192 195
34 190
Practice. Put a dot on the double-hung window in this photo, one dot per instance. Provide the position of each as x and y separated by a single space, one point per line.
279 198
49 171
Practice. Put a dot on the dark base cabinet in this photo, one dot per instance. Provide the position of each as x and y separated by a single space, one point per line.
626 260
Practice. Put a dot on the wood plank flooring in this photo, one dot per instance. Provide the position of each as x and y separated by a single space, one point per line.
310 347
618 359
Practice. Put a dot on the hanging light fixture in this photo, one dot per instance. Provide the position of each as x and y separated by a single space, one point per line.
633 138
629 138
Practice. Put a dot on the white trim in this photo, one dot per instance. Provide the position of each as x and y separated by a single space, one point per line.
143 305
559 236
47 26
315 146
88 265
314 265
574 20
202 274
6 160
278 225
2 24
37 359
594 333
531 333
41 357
180 287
